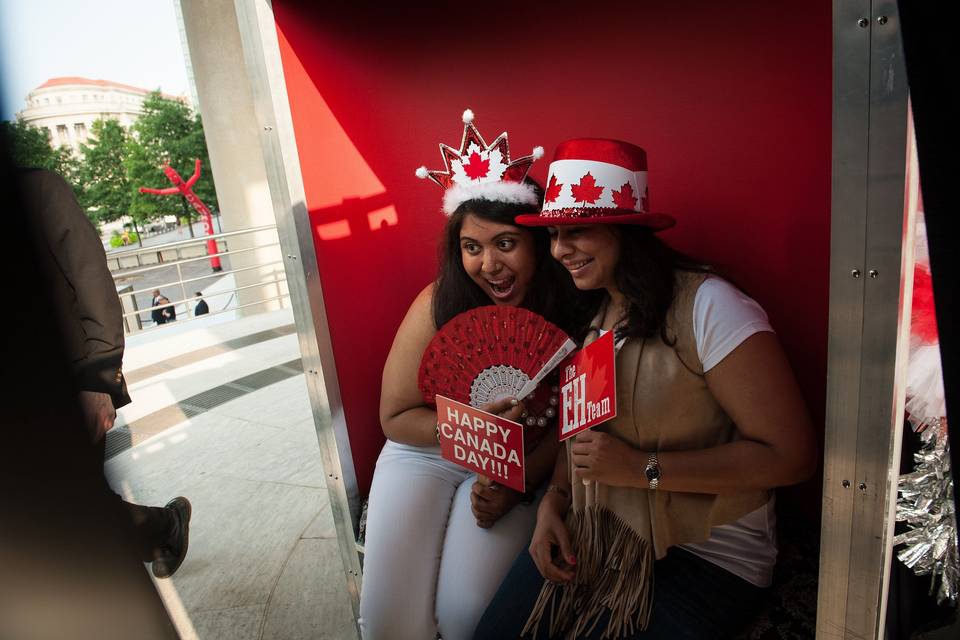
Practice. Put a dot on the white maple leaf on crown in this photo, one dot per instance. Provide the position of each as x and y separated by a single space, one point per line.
482 165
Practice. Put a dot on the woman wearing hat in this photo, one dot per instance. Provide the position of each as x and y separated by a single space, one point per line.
439 541
658 523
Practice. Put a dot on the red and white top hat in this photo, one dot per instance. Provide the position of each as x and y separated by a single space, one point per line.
479 171
597 181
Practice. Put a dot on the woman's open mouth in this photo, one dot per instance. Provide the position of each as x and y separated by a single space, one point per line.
502 288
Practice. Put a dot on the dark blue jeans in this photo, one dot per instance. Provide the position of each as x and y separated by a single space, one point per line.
692 600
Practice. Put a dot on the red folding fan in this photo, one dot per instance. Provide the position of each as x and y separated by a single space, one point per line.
489 353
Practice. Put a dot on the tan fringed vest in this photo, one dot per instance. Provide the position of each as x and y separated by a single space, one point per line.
663 404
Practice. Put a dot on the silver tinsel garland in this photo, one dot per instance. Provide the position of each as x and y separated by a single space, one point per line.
926 504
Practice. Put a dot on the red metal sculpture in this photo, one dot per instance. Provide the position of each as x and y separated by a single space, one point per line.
185 189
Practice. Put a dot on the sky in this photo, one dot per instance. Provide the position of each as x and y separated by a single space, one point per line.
134 42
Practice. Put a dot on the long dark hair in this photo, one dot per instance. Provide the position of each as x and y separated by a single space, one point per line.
552 293
645 274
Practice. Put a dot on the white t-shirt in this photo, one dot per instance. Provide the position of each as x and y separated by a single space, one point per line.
723 317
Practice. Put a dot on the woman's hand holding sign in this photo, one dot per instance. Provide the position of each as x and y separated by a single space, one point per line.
607 459
507 408
489 500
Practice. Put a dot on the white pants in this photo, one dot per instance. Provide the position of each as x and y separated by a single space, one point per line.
428 568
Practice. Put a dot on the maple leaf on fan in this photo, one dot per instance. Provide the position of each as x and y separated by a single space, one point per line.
477 167
624 199
553 190
586 190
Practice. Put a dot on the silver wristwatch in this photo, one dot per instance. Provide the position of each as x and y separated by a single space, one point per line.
652 471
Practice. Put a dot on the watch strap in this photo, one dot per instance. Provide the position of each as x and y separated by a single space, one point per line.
653 471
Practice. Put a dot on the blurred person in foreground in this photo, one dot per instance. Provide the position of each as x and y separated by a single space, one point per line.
70 564
91 320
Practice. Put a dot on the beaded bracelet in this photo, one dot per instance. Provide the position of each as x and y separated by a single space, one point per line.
558 489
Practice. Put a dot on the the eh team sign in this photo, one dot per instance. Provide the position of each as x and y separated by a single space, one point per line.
588 390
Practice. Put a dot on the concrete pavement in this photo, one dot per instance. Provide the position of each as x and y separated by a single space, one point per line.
263 561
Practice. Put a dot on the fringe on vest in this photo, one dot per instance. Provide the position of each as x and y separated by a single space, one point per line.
614 576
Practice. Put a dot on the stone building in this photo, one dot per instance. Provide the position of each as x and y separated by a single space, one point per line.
67 107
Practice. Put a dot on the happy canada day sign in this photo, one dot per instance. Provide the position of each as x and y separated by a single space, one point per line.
482 442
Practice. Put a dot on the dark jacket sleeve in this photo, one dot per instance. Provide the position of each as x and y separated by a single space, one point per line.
86 294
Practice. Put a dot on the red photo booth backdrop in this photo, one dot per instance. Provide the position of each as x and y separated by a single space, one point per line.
732 102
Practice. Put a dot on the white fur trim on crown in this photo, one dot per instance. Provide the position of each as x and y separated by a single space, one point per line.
511 192
423 173
537 153
467 116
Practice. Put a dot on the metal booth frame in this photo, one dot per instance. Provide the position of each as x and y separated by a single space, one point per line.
869 318
261 53
869 304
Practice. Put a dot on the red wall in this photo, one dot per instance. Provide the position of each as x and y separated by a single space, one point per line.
731 101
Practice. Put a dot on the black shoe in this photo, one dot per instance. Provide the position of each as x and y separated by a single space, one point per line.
171 555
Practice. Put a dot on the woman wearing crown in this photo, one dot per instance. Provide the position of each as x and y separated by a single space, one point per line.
440 539
658 523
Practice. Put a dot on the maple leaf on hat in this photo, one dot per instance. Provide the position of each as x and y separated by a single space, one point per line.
553 190
586 190
624 198
477 167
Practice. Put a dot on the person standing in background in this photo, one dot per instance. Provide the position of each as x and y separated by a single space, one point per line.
201 308
168 312
156 314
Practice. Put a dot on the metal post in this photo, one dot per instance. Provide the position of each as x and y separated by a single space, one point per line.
864 400
261 51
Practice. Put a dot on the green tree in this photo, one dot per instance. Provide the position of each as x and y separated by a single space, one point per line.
106 194
167 132
30 146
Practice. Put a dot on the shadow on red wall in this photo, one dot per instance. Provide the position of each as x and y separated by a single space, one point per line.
732 102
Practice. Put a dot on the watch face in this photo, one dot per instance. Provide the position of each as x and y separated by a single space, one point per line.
653 473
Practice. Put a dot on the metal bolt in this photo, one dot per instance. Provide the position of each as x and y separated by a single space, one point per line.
846 484
863 23
874 274
882 20
862 486
855 273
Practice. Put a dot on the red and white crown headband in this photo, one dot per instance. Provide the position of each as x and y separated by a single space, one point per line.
479 171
